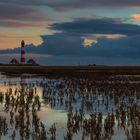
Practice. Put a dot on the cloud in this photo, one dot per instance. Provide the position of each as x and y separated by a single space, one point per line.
67 5
57 44
88 42
93 39
69 42
64 45
62 6
97 26
127 47
19 24
12 15
16 12
109 36
135 17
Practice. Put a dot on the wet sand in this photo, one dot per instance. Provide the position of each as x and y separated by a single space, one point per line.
69 108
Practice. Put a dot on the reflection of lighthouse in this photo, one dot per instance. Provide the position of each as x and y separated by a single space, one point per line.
22 59
22 83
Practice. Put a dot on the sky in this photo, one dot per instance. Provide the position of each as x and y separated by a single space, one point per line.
71 32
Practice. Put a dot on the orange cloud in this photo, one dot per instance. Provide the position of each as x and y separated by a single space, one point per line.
110 36
135 17
88 42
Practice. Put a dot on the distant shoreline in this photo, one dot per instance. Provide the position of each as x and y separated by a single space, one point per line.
70 70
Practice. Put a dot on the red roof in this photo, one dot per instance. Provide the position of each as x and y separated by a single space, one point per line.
31 61
14 61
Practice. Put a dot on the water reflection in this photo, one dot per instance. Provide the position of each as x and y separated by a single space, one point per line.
99 108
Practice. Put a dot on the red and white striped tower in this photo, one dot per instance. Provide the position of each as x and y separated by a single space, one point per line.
22 59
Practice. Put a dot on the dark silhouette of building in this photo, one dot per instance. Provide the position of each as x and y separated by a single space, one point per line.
14 61
31 62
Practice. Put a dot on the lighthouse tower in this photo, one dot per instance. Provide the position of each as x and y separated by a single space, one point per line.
22 59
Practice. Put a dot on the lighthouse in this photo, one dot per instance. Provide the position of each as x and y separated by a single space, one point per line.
22 59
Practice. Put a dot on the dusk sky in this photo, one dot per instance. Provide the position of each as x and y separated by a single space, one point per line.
71 32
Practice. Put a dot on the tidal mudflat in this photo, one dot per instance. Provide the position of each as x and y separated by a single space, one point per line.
69 108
